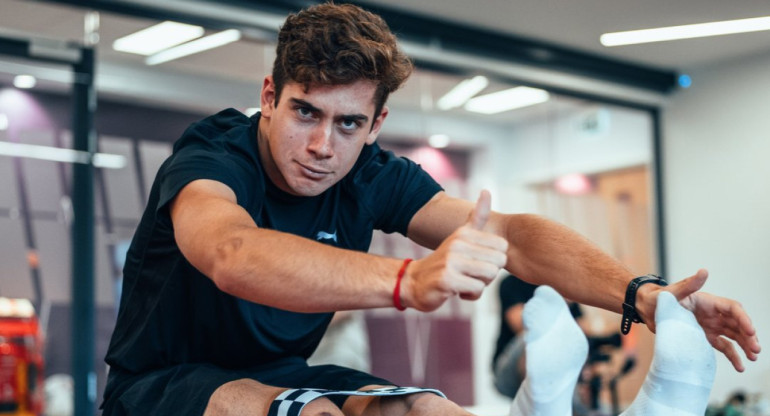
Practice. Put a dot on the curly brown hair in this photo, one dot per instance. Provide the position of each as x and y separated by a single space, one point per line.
337 44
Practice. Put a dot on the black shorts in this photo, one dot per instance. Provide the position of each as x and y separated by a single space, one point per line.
186 388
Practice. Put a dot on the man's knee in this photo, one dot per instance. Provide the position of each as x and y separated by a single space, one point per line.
247 397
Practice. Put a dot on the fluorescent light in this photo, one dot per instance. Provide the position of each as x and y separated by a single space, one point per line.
157 38
462 92
439 141
209 42
24 81
109 161
58 154
506 100
699 30
3 122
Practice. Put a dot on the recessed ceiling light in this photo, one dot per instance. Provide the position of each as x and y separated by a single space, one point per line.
24 81
157 38
462 92
203 44
439 141
506 100
699 30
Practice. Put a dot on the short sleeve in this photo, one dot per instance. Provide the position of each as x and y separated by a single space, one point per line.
194 164
393 188
219 148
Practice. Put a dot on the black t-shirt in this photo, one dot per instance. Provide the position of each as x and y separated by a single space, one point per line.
171 314
514 291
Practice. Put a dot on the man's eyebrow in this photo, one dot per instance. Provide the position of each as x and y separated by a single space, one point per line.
307 105
354 117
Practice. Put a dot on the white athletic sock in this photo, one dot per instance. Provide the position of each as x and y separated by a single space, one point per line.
555 353
682 370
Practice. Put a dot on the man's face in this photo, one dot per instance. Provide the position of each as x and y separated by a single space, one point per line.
310 140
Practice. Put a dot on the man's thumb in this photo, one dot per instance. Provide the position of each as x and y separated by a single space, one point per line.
688 286
480 213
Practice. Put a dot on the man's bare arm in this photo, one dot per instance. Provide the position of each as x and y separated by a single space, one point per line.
221 240
539 251
544 252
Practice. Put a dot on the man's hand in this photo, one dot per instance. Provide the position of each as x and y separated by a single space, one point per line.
722 319
464 264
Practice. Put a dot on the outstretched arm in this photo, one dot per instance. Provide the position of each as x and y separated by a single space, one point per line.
537 250
543 252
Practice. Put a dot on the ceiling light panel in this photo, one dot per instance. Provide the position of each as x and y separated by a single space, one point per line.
439 141
462 92
699 30
507 100
157 38
24 81
203 44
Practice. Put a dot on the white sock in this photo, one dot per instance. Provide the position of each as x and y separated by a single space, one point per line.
555 353
682 370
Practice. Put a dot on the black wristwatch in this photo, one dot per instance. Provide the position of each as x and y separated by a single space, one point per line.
629 306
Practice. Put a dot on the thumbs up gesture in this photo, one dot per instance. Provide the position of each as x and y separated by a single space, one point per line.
463 264
480 214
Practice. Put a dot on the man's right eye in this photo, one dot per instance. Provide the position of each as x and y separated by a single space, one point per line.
304 112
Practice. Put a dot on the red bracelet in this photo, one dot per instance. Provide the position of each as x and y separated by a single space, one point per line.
397 289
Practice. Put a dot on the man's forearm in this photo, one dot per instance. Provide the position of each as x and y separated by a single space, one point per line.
545 252
294 273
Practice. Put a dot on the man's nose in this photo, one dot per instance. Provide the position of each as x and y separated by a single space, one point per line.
320 143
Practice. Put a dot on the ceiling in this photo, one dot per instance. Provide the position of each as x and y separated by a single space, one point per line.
578 25
231 75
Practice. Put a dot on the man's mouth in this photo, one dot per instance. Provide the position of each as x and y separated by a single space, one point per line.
313 172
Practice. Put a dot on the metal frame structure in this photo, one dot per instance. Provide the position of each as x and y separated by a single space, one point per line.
419 29
81 60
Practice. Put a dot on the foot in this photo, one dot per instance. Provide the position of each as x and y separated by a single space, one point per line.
682 370
555 353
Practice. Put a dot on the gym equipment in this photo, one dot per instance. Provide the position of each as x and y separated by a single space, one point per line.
21 359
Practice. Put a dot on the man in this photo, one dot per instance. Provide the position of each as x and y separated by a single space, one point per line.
257 228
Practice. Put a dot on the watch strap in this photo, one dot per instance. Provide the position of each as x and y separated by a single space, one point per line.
630 315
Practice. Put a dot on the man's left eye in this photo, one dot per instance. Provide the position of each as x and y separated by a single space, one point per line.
349 124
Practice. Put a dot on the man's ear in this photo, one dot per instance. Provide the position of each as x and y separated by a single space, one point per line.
267 97
377 125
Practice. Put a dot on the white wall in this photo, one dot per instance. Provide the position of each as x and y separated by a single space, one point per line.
540 150
717 195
